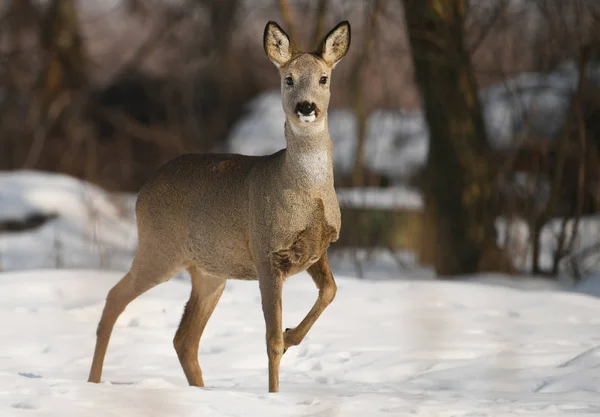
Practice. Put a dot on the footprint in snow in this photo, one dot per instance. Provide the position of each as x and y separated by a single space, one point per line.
302 352
308 401
134 322
344 356
211 350
24 405
325 380
29 375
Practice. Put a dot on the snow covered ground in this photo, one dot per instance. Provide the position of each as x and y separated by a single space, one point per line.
396 343
385 348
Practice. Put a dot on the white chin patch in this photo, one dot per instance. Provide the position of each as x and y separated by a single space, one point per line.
307 119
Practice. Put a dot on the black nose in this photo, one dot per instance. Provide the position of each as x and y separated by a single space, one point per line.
305 108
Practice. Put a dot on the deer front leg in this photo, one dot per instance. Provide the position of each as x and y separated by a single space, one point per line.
323 278
271 283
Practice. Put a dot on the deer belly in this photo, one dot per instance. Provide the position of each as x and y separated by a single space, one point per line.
225 256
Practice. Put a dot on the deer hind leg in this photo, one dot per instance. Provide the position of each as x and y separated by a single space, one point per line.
137 281
323 278
205 294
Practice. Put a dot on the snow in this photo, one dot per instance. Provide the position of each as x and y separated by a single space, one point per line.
397 342
591 286
93 229
422 348
415 346
391 198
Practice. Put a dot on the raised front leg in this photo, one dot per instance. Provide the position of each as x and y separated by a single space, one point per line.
271 282
322 276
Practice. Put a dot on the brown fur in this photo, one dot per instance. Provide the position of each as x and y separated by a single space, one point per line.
229 216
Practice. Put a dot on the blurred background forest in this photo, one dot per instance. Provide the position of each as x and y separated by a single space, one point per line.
466 133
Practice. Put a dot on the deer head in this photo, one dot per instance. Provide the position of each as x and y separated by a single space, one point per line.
305 76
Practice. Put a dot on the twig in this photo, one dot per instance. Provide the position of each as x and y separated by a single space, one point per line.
128 125
488 25
360 111
146 48
580 178
561 150
288 18
56 109
401 264
321 21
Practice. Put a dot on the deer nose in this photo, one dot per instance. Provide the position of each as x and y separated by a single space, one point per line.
305 108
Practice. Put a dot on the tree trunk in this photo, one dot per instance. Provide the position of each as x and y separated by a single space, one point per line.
62 42
64 73
358 97
459 179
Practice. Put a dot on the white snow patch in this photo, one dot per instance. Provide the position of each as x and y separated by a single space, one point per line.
394 344
93 228
411 348
391 198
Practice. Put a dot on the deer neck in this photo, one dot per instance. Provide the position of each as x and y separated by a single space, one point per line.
308 156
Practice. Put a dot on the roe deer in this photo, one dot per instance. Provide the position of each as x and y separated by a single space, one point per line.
230 216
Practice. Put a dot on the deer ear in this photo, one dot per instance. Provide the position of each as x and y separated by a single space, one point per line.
335 45
278 46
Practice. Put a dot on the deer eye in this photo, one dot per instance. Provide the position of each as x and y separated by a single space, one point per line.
289 81
323 80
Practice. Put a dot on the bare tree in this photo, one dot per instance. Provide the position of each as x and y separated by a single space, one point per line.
321 21
459 191
550 208
358 96
64 71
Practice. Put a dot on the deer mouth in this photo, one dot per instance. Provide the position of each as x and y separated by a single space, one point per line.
308 118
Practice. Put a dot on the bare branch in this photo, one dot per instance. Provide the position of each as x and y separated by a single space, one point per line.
321 21
358 98
151 43
580 178
154 134
561 154
488 25
288 18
